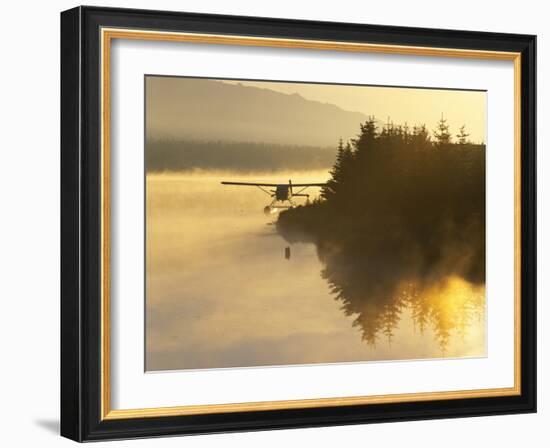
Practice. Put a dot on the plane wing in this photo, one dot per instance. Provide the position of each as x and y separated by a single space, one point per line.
250 184
271 185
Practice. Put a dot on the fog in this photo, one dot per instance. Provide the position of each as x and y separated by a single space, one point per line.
221 293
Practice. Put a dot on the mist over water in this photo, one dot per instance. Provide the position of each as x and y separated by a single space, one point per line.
221 292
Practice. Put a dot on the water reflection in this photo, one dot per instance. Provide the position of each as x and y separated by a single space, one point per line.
445 303
448 308
221 291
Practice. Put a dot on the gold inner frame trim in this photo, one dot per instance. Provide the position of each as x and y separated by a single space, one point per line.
107 35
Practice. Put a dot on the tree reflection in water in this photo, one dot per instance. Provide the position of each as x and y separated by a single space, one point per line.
448 308
401 227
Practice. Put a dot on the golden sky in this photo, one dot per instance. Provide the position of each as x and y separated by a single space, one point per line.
399 104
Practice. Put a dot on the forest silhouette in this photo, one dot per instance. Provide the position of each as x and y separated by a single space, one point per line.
401 225
186 155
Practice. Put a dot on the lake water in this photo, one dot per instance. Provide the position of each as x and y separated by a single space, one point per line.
221 292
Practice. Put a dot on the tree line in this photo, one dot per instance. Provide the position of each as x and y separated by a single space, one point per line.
403 206
185 155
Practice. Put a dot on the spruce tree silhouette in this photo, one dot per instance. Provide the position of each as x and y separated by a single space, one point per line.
401 214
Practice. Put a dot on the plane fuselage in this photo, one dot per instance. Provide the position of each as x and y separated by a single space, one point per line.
282 192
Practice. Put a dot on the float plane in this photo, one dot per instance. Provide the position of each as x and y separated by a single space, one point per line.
281 193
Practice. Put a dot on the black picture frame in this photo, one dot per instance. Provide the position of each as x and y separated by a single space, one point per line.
81 227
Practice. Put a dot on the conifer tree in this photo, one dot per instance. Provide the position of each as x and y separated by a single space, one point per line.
441 133
367 135
339 170
420 138
462 136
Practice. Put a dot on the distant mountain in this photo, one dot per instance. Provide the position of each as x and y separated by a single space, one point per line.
211 110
